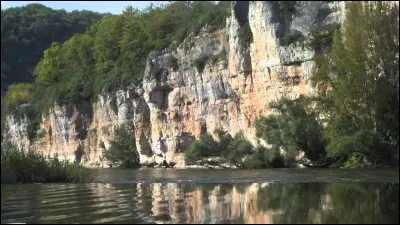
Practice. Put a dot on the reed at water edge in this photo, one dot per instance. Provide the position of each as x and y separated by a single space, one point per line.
19 166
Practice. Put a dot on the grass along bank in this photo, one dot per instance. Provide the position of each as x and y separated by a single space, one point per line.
18 166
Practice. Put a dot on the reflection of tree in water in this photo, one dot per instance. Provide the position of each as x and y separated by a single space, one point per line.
363 203
241 188
207 203
331 203
291 202
206 188
390 194
224 189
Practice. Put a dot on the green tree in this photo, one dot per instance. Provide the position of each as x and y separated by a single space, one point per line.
47 69
357 84
238 149
293 128
206 146
27 31
17 94
122 151
112 53
233 150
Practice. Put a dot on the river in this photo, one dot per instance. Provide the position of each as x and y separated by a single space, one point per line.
158 195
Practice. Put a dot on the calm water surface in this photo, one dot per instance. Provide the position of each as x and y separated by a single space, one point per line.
210 196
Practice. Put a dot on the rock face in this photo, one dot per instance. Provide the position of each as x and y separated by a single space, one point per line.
212 80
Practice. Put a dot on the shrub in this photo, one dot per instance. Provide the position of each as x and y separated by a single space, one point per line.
172 62
204 147
17 94
122 151
31 166
225 140
354 160
359 147
291 37
273 158
287 6
200 62
322 38
245 34
237 149
233 150
294 127
221 56
253 162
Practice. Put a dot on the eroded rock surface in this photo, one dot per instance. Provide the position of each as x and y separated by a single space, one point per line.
179 99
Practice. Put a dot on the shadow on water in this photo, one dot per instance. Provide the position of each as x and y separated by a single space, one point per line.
201 203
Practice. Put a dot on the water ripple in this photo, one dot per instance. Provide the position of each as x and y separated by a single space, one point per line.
247 199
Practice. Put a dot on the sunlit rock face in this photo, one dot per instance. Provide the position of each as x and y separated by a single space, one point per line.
212 80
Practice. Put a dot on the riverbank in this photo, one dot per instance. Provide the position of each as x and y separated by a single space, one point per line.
18 166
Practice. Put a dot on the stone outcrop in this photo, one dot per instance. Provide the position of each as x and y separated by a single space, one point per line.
212 80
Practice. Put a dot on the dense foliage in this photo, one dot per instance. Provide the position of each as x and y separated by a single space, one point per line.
236 151
206 146
20 166
113 52
357 95
27 31
304 199
321 39
292 37
358 86
352 120
122 151
17 94
292 128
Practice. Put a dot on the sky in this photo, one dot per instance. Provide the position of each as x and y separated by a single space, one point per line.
114 7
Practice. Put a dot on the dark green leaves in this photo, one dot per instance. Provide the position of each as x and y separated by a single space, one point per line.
122 151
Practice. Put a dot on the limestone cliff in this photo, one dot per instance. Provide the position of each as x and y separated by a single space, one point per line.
212 80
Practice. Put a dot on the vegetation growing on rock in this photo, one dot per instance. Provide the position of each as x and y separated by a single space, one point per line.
287 6
321 39
358 86
112 53
352 119
291 37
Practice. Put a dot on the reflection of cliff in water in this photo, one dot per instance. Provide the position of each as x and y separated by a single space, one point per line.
201 203
275 203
